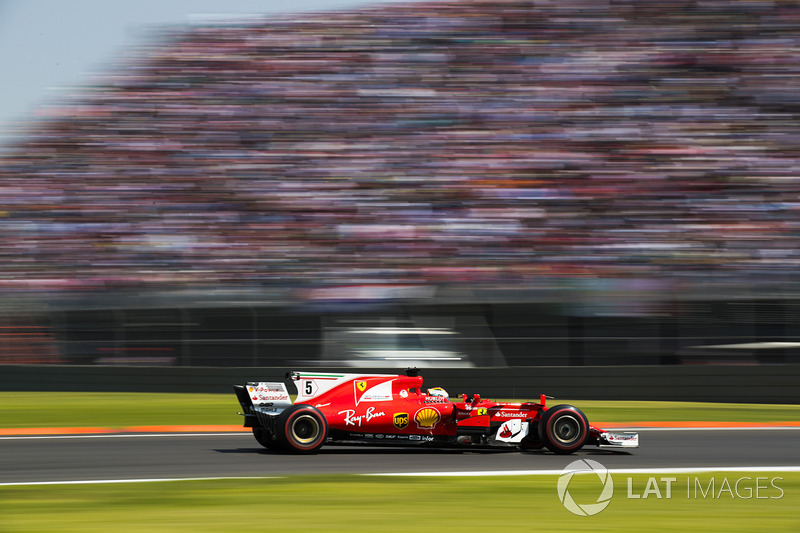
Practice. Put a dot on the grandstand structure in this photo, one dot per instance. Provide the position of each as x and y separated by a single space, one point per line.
595 158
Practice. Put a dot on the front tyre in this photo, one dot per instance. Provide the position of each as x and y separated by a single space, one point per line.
302 429
563 429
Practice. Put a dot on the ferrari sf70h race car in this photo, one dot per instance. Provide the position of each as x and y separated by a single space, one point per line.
395 410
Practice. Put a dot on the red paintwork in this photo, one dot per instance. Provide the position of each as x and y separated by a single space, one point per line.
349 407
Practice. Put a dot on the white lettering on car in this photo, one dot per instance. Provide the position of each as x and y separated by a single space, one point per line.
350 418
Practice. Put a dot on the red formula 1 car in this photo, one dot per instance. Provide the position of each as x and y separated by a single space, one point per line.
394 409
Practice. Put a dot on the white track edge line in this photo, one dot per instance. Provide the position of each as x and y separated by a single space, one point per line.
675 470
679 470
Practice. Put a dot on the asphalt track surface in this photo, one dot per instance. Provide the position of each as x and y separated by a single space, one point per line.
137 457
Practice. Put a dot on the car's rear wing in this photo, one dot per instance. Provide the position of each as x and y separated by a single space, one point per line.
261 398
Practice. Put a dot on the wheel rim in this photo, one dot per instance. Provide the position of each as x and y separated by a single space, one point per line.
305 429
566 429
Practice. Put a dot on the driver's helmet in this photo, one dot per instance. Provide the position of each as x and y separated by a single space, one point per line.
438 391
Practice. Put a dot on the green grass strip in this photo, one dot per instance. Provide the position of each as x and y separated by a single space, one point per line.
354 503
115 410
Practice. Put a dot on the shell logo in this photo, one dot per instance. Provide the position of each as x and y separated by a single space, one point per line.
427 418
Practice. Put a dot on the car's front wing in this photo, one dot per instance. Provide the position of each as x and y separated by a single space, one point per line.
610 439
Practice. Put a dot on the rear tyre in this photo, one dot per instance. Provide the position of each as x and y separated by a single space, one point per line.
563 429
302 429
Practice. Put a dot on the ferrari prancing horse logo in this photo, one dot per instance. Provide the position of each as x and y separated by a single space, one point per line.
372 390
400 420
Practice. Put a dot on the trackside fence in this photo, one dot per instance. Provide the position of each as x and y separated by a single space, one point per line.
704 383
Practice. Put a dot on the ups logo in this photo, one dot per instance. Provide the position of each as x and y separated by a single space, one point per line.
400 420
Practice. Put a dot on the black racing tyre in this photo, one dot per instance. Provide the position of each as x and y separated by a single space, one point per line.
302 429
563 429
265 439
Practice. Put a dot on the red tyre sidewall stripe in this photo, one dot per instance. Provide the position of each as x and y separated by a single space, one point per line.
552 437
287 429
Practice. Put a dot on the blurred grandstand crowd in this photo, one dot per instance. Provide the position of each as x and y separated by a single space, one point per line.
471 142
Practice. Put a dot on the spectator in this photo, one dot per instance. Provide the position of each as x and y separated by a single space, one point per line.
494 143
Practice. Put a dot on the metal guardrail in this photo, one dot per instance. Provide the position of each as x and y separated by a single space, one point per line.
701 332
